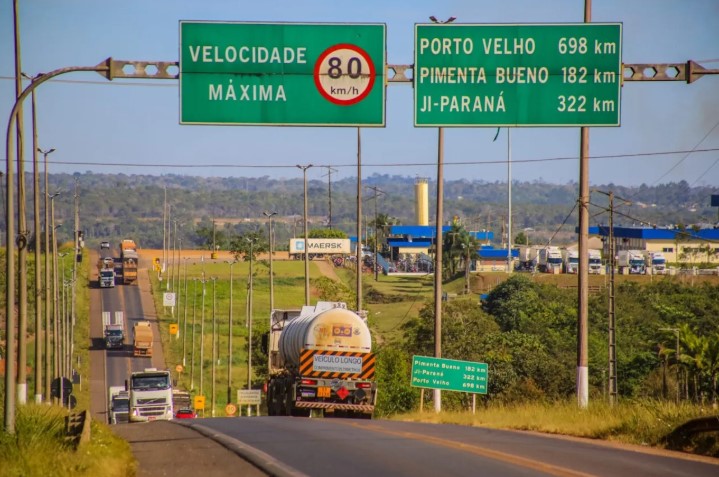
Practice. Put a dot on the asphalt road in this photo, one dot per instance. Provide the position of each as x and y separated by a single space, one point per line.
294 447
322 447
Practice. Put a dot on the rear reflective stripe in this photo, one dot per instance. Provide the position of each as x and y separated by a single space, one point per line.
307 360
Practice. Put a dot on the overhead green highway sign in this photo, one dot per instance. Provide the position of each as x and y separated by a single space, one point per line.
449 374
291 74
517 75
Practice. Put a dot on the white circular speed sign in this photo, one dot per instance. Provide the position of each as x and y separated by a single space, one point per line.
344 74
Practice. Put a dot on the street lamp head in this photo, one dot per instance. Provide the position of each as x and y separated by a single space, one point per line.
269 214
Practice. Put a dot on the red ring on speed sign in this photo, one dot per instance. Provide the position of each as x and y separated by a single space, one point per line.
322 78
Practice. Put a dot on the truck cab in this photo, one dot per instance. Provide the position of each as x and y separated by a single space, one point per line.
118 405
107 278
150 395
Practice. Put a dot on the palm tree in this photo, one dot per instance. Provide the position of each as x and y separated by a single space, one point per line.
469 246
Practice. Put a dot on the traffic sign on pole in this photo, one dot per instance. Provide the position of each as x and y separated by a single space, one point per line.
291 74
518 75
450 374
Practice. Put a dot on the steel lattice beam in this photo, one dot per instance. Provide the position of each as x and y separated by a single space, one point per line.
688 72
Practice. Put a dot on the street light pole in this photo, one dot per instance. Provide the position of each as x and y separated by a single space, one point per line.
184 327
269 216
10 230
48 254
214 343
307 262
229 342
38 282
202 338
249 322
192 346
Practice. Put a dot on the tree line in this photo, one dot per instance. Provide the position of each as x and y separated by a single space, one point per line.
116 206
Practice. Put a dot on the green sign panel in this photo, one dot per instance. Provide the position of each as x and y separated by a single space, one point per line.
450 374
518 75
298 74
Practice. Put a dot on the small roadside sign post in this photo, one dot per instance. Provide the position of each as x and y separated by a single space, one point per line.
199 404
230 409
249 397
449 374
282 74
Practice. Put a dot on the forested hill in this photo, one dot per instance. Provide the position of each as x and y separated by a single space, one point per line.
113 206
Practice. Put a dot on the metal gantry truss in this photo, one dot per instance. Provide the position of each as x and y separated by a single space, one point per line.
688 72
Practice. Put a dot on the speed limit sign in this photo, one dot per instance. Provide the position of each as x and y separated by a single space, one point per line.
344 74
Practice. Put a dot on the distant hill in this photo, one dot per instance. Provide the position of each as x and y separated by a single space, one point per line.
113 206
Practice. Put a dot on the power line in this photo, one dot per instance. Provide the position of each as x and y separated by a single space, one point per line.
378 165
688 153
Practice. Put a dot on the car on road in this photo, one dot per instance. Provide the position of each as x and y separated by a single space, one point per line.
104 245
185 413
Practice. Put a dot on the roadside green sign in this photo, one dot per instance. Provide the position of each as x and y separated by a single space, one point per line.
450 374
290 74
517 75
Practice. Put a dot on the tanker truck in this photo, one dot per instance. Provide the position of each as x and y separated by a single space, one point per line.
320 359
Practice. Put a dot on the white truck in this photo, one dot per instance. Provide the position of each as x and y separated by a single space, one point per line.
570 259
655 262
150 395
631 262
107 278
118 404
526 258
549 260
320 358
595 262
113 329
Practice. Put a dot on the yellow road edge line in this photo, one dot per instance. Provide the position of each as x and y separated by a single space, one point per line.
492 454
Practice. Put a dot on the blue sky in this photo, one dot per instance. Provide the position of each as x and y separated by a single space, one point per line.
132 126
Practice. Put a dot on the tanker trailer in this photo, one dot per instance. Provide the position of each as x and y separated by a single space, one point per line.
320 358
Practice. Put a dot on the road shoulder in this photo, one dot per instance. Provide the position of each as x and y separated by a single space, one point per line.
165 448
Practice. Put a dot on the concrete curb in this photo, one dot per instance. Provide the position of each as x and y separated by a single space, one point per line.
260 459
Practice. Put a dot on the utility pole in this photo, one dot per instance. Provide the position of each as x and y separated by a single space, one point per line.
612 346
377 191
438 248
330 170
582 385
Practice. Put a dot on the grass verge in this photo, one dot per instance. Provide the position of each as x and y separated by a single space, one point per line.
38 448
643 423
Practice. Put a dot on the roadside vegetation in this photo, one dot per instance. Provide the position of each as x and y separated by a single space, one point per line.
525 330
38 447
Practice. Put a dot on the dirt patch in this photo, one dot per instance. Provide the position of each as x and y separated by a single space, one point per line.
327 269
